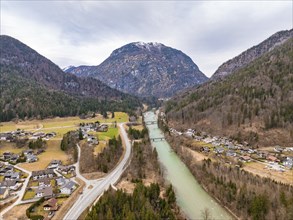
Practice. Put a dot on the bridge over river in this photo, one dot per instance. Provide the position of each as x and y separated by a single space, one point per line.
190 196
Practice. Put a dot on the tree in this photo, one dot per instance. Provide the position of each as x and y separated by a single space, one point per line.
259 207
113 114
105 114
171 198
206 214
80 135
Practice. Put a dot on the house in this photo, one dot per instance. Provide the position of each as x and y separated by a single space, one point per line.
39 135
14 158
250 151
132 119
10 175
61 181
245 158
278 149
30 158
231 146
102 128
7 155
288 162
66 169
51 205
272 158
262 154
68 188
6 169
50 135
48 173
54 164
4 193
44 182
205 149
10 184
3 136
28 152
92 140
219 150
46 192
231 153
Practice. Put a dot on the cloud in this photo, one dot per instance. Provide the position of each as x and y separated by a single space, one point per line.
86 32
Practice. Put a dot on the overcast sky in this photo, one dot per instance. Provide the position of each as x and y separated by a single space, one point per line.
86 32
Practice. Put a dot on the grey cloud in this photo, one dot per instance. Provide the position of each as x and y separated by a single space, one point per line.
83 29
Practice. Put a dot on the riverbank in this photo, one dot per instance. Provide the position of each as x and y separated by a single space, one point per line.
145 168
242 193
188 152
193 200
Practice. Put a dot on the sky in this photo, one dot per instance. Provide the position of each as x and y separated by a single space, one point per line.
86 32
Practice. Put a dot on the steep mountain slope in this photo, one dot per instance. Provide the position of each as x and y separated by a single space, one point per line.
146 69
253 104
251 54
32 85
32 65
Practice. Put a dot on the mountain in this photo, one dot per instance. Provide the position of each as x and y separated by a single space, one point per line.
251 54
32 85
254 103
146 69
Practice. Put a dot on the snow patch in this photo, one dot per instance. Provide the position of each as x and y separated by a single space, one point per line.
67 68
149 45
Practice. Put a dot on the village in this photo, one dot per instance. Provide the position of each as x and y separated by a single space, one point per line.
55 182
279 159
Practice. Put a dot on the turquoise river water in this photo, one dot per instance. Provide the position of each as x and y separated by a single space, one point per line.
191 197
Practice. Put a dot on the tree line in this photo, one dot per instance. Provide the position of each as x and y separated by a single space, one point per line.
248 196
144 203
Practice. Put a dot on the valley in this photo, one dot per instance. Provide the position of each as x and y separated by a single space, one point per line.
51 159
147 135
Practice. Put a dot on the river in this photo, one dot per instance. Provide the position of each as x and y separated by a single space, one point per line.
191 197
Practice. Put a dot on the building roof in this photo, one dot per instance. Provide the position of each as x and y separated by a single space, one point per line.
2 191
46 191
42 172
8 183
51 202
69 185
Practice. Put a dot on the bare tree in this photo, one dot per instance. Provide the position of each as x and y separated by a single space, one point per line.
206 214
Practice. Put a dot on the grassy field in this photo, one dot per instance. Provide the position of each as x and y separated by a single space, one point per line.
66 123
259 169
98 149
6 146
53 152
29 195
108 135
202 144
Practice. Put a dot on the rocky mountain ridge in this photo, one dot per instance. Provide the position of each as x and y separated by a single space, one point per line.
251 54
146 69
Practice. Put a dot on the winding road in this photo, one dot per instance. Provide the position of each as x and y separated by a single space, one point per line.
100 185
19 194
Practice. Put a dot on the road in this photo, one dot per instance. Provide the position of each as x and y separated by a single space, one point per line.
90 195
19 193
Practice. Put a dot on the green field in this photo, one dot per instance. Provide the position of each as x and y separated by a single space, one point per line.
29 195
108 135
71 123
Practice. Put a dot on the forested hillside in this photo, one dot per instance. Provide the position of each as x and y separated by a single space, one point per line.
254 104
144 203
33 86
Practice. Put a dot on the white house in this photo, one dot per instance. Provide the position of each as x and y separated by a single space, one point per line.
68 188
